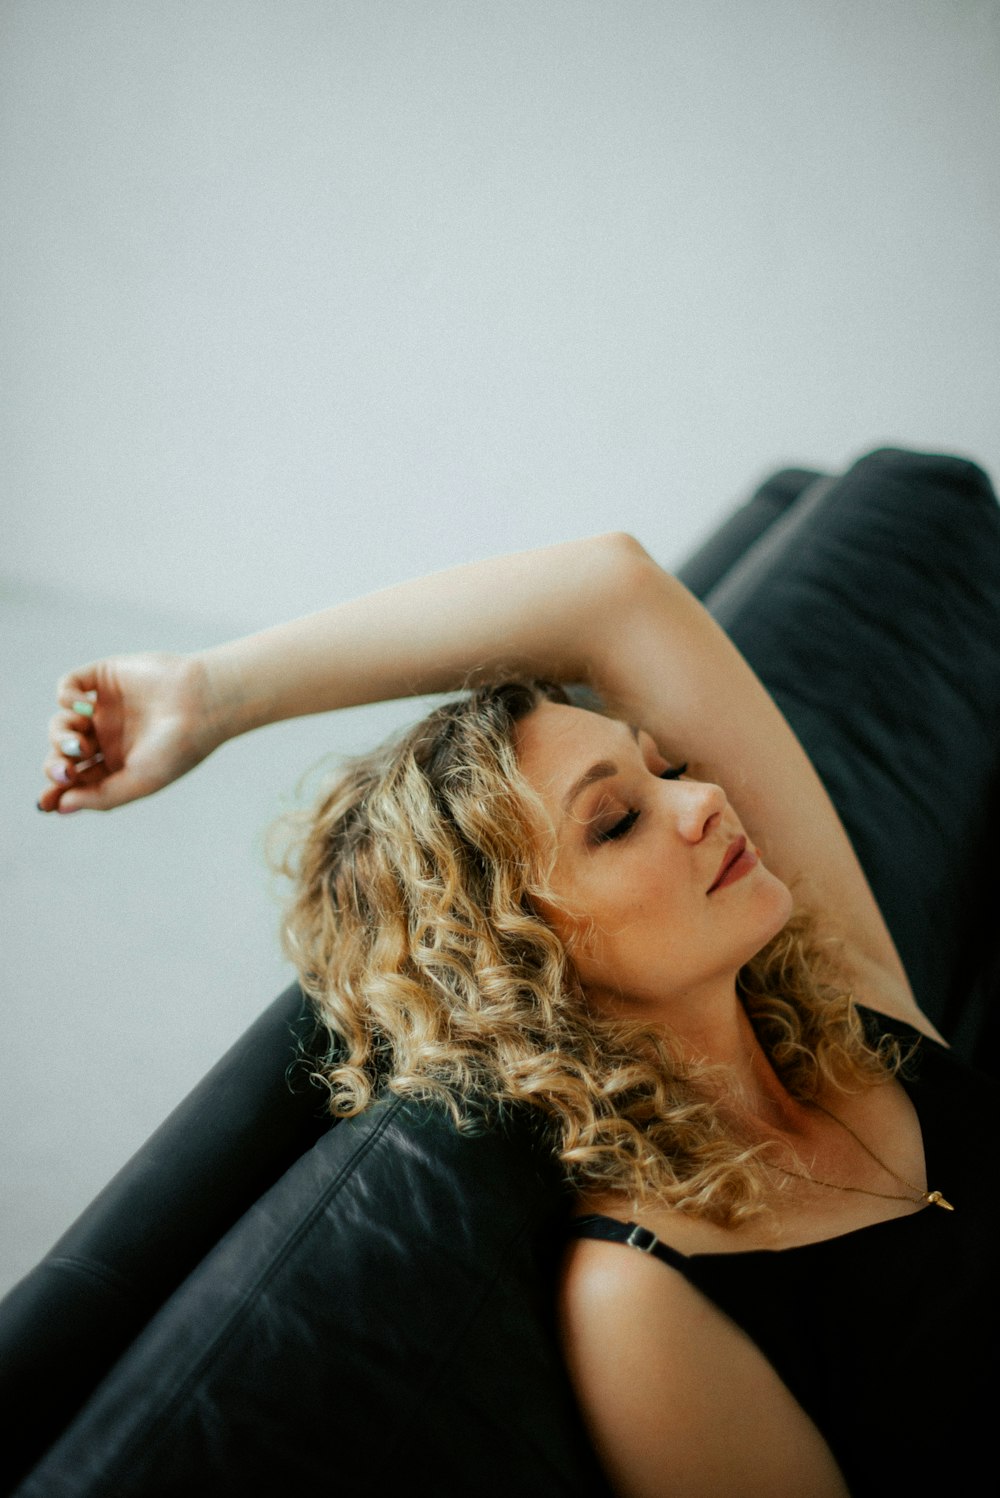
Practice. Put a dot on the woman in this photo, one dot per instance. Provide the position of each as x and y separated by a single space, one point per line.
529 902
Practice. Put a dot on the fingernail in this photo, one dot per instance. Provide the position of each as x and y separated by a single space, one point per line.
61 774
70 745
85 709
40 806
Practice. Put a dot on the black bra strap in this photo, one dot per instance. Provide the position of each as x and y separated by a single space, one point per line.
632 1234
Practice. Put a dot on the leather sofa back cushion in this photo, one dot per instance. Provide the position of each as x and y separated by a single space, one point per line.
381 1320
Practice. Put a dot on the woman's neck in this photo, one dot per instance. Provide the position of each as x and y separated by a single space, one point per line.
749 1084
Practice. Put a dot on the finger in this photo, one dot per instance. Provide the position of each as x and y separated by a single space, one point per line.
64 771
65 774
91 763
50 798
78 690
61 771
80 704
72 736
74 746
105 793
79 681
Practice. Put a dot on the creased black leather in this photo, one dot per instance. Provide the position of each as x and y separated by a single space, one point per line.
382 1313
63 1326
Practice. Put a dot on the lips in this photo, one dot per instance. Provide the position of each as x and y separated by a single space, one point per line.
738 860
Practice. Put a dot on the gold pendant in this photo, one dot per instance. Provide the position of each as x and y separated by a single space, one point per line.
935 1199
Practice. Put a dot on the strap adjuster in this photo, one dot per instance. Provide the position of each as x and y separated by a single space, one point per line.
642 1238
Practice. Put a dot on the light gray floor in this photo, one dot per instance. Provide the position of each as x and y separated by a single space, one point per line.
137 945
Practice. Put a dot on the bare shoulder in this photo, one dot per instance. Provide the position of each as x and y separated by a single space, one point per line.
678 1400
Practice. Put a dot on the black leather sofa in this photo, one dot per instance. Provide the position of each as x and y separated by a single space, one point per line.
262 1303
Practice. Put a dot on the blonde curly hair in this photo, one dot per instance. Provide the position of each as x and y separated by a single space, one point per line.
414 931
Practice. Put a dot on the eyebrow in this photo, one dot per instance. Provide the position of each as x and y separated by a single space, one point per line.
602 770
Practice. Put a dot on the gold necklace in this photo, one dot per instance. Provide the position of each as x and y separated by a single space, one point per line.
929 1198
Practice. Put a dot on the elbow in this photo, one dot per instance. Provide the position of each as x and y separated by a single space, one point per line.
628 572
626 586
624 563
620 548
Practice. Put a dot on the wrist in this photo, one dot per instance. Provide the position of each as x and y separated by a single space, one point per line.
218 696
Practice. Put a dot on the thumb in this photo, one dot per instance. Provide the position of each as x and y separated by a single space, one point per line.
115 790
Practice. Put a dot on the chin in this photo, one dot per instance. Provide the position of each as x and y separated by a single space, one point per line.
776 909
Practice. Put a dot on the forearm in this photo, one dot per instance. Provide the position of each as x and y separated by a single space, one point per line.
543 613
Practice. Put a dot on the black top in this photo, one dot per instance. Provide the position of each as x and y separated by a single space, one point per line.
887 1335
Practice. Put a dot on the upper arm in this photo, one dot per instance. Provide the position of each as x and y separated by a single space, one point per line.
665 663
678 1401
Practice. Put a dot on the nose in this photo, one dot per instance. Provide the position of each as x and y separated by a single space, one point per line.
700 809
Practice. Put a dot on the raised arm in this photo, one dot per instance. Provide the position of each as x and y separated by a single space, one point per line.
153 717
599 611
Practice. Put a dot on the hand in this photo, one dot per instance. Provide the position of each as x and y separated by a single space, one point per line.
127 726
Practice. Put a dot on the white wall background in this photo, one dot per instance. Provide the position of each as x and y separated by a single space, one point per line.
303 296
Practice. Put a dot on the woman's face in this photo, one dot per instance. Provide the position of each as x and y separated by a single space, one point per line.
658 905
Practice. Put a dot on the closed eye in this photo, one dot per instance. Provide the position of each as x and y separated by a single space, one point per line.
609 834
628 821
674 772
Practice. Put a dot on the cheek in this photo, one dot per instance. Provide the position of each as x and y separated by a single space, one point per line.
637 895
642 912
581 924
573 930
